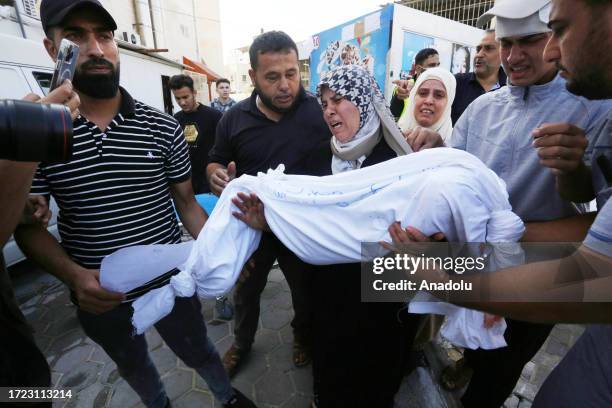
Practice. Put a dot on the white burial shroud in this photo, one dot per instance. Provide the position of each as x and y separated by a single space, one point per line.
324 220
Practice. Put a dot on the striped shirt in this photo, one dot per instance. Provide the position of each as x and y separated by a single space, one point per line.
115 191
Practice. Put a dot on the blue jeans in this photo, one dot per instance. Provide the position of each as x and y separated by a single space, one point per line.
183 330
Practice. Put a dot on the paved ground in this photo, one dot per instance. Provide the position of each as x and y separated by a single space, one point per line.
440 354
269 377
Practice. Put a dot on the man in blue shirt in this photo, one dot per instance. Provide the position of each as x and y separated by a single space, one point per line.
580 30
499 128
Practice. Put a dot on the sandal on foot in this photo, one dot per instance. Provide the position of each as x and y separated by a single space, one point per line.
224 308
233 358
455 377
239 401
301 354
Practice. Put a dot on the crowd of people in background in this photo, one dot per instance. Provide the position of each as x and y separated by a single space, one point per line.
536 110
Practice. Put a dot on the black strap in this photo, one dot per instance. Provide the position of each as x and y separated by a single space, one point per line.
158 282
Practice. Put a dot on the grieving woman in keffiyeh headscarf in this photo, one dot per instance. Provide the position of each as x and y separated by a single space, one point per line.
361 123
430 103
360 347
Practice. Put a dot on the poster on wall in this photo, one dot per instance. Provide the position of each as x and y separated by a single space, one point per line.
413 43
461 59
364 41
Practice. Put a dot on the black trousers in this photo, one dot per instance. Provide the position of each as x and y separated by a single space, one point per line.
360 349
22 364
183 330
496 372
247 292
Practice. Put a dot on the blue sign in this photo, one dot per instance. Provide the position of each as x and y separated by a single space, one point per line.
413 43
365 41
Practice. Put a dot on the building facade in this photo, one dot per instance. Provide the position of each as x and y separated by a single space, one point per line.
185 28
463 11
174 30
237 68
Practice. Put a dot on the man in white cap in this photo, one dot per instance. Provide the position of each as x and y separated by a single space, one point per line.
499 128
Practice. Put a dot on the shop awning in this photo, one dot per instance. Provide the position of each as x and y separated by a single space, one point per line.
201 68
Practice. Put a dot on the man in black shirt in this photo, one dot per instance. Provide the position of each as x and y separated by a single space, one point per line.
488 75
279 124
199 123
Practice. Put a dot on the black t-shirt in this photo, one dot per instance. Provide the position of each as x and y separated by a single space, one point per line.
339 315
199 128
381 152
299 140
468 89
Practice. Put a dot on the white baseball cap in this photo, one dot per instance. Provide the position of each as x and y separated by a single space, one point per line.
518 18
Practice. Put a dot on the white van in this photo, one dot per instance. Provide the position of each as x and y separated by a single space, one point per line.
25 67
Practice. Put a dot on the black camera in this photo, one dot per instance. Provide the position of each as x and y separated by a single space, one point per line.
35 132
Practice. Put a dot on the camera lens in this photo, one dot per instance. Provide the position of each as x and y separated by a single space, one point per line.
35 132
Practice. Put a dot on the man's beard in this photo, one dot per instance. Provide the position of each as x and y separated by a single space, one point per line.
484 71
269 103
593 80
100 86
590 82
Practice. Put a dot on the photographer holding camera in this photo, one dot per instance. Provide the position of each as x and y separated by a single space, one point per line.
21 362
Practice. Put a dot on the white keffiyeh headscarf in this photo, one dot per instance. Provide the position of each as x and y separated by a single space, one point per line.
356 85
444 126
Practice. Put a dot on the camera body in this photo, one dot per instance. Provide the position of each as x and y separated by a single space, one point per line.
35 132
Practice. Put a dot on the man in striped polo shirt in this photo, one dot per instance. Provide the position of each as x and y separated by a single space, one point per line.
129 161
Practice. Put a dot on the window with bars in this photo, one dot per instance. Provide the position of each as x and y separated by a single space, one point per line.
30 8
463 11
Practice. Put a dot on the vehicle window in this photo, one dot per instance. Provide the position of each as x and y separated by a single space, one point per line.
44 80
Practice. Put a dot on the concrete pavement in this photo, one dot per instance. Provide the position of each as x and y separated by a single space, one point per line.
268 376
